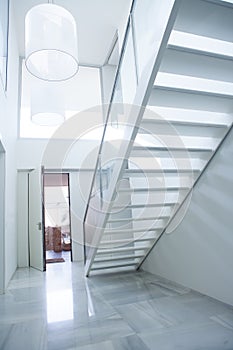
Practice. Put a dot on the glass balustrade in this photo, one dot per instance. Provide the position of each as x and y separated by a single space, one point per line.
115 132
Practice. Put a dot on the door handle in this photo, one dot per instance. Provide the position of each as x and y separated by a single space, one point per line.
39 226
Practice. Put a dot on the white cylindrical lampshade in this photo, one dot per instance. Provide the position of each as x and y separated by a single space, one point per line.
51 43
47 105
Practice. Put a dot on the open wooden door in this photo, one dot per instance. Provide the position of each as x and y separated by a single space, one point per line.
36 218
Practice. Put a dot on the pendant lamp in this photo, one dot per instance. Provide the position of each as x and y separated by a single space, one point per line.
47 104
50 43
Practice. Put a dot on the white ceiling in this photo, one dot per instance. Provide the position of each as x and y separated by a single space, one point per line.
97 22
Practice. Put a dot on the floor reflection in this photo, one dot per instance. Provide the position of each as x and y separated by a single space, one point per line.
60 306
59 295
90 305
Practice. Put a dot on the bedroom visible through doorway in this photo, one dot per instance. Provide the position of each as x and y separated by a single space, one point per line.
57 230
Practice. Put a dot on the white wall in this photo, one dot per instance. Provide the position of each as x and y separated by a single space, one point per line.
32 153
8 129
198 254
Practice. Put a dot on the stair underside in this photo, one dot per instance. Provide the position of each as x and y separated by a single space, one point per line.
189 112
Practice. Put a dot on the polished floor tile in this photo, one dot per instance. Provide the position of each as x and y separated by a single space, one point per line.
63 310
205 337
51 254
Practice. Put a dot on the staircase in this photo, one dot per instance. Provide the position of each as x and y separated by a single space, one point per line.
186 96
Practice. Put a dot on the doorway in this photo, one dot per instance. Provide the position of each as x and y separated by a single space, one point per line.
57 227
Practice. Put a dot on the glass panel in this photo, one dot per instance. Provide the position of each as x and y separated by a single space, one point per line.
150 19
126 83
125 90
114 135
108 73
4 18
94 208
128 71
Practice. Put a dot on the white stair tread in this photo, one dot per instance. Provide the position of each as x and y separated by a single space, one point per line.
125 241
143 205
187 115
138 219
112 266
147 123
174 138
149 189
165 155
118 257
169 162
142 229
193 84
178 98
222 2
172 149
120 250
202 44
155 171
189 132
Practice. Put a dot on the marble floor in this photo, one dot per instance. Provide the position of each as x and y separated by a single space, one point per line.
66 255
63 310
